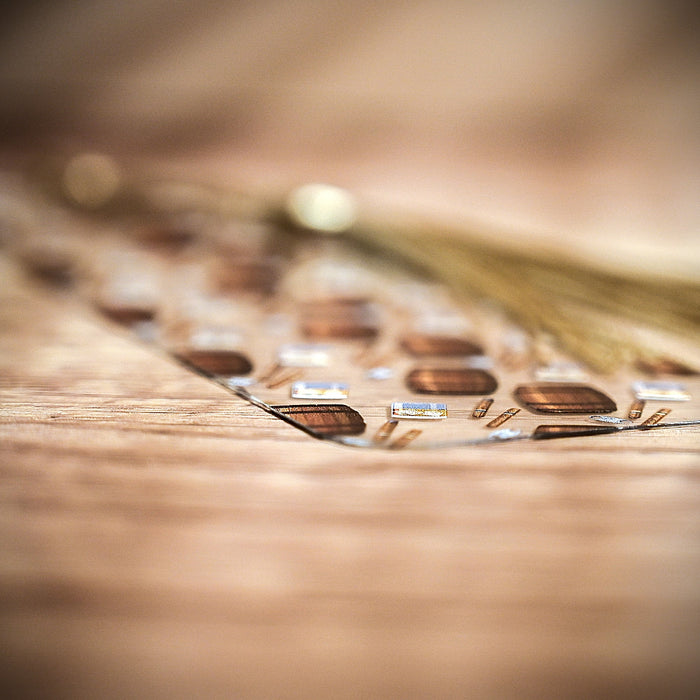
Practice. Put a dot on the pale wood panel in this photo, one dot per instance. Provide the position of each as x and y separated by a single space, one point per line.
161 538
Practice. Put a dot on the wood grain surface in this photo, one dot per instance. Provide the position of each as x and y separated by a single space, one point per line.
160 538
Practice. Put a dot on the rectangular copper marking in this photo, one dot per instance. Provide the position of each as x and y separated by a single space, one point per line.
221 362
349 319
656 417
422 345
246 274
665 365
166 237
405 439
500 420
549 432
564 398
50 264
482 408
127 315
453 381
385 430
636 409
330 419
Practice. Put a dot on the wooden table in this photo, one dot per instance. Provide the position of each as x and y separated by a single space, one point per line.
161 538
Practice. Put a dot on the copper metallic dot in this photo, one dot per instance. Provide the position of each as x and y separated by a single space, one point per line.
457 381
219 362
564 398
331 419
503 417
636 409
342 319
421 345
547 432
481 409
656 417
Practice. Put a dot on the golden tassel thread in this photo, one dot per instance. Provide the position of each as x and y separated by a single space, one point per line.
579 305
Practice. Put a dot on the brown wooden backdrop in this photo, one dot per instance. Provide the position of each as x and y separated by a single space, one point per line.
159 538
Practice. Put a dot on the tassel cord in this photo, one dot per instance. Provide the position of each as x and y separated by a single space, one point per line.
550 297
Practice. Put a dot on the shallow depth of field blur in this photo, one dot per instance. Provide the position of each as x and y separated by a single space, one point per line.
571 122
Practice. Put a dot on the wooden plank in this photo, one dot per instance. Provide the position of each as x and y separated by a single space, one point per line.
159 537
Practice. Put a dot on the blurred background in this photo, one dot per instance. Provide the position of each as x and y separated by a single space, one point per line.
571 122
146 555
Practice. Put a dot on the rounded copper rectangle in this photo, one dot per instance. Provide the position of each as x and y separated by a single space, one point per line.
422 345
221 362
166 237
665 365
52 267
339 318
564 398
341 328
456 381
331 419
548 432
127 315
259 276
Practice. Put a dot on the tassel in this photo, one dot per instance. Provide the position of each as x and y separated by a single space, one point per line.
605 319
595 315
